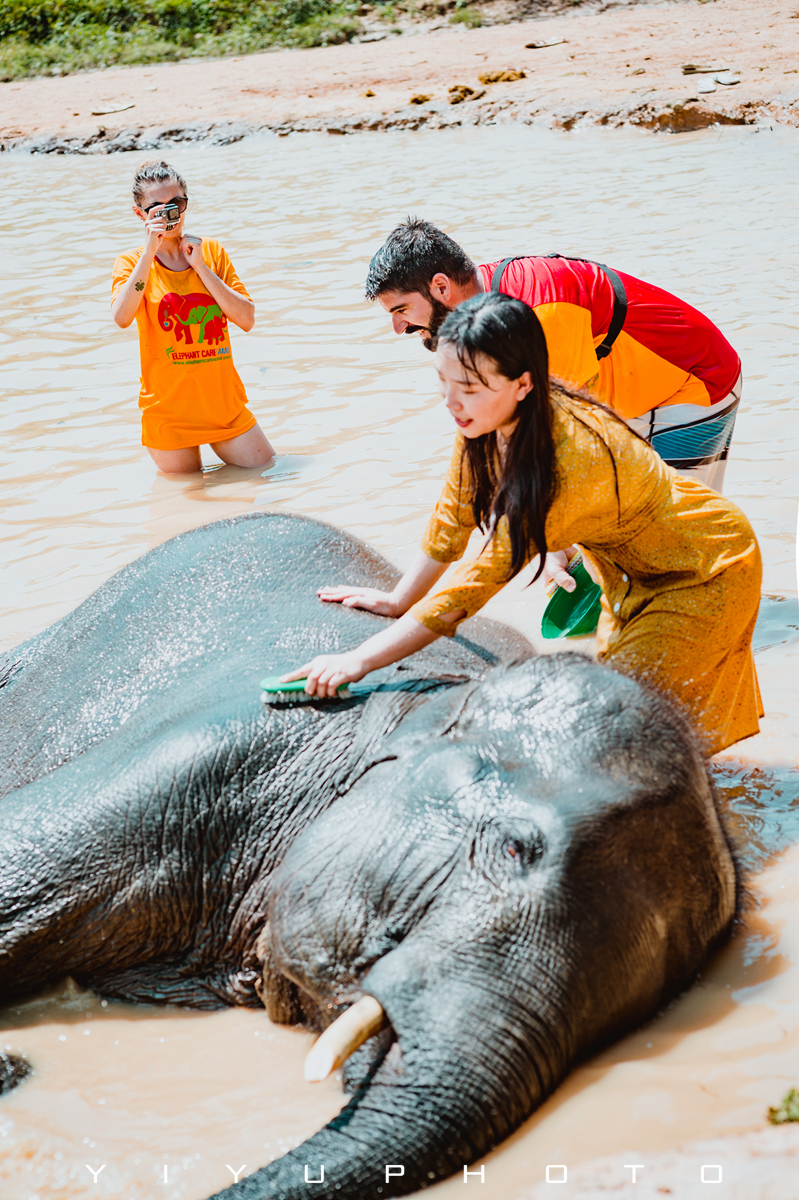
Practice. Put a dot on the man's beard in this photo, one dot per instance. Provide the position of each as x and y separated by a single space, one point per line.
438 315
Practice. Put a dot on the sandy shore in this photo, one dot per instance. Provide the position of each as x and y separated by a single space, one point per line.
620 64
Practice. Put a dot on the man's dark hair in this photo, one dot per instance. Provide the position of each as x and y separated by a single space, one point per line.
411 255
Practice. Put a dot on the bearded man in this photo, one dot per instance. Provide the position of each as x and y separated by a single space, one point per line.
661 364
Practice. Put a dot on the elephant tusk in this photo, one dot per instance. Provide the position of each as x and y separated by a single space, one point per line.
343 1037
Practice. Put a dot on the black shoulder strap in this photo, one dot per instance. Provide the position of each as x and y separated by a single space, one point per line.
619 314
617 317
499 271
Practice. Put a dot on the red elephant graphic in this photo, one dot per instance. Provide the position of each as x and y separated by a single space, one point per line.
181 312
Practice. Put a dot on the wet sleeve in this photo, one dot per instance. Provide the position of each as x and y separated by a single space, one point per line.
217 258
469 587
448 531
120 274
452 521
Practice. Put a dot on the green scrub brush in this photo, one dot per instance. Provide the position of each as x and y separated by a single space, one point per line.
275 692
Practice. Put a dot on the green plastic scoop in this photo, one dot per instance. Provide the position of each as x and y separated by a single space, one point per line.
573 614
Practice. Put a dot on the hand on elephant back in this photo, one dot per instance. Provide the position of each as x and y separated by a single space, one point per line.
385 604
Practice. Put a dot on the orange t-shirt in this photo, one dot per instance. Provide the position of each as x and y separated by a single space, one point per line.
191 393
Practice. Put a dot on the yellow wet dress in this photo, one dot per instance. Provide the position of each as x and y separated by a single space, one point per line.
679 565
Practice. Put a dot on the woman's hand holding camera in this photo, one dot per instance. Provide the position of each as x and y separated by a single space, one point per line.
154 228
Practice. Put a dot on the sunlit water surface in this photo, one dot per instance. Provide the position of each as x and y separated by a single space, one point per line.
173 1103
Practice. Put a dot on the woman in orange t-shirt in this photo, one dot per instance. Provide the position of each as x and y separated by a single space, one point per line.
182 291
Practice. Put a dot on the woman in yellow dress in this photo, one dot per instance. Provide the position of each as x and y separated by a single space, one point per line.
540 468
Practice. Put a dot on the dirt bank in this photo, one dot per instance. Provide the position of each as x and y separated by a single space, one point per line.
617 65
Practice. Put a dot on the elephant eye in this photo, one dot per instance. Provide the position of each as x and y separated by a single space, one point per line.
523 852
505 854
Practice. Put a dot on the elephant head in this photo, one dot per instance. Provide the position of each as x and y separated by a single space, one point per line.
195 308
525 869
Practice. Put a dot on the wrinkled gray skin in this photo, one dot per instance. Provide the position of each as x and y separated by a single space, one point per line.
519 863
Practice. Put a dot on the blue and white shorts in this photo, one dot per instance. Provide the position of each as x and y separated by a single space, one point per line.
693 439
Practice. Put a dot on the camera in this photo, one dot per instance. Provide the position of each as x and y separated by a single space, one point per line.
170 214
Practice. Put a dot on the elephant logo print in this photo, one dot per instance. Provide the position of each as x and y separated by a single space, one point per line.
181 312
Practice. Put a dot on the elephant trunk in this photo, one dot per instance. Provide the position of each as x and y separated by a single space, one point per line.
469 1065
394 1137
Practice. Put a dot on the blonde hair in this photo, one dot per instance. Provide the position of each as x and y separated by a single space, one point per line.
155 171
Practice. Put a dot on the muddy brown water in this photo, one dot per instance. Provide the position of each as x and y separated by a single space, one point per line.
170 1103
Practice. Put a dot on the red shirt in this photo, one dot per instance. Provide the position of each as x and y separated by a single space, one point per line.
666 353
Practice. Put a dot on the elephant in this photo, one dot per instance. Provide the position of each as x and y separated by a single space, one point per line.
195 308
510 859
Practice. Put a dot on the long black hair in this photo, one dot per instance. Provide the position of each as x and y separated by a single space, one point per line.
519 483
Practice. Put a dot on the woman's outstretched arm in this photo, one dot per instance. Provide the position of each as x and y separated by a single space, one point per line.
423 572
447 534
327 672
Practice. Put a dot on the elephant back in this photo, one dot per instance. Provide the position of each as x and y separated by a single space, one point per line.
195 623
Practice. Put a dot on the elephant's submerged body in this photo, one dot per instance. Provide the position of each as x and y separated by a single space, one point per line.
518 862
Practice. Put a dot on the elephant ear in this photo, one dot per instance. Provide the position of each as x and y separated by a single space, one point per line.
400 715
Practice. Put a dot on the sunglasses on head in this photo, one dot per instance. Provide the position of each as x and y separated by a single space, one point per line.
180 201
